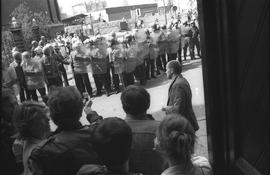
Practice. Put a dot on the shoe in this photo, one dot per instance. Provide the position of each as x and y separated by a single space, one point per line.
98 94
153 76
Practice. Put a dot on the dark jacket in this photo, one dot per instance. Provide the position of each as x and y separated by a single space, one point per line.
179 100
143 158
64 153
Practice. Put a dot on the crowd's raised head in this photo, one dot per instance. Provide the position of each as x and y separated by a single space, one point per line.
135 100
176 138
112 140
31 120
66 105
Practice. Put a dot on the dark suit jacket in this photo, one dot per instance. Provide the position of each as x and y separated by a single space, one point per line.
179 100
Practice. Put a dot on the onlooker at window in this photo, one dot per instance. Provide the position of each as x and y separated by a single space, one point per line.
112 140
135 101
32 124
176 139
70 146
7 159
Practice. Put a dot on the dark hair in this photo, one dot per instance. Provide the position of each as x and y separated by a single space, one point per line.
176 138
31 121
112 140
8 104
176 66
65 104
135 100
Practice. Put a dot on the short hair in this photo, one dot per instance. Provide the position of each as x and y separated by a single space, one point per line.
175 65
176 138
112 139
17 55
26 54
66 105
135 100
30 120
46 50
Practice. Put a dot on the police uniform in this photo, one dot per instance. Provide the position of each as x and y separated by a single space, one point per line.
194 41
99 66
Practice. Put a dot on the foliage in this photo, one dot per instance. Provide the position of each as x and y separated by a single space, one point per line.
6 46
24 16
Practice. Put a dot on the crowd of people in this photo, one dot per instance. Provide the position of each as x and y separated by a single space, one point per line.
115 60
106 146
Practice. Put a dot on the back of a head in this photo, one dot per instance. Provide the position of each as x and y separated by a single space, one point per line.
31 121
175 65
17 55
135 100
46 50
112 141
65 104
176 138
8 103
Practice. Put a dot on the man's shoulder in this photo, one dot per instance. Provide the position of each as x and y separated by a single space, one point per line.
63 141
180 81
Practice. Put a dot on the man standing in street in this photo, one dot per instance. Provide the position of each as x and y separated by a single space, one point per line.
194 41
179 96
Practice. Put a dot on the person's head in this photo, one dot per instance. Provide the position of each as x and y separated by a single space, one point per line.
38 51
42 38
112 140
185 23
46 50
56 47
113 35
173 67
66 105
77 46
176 138
17 56
31 120
26 56
34 43
135 100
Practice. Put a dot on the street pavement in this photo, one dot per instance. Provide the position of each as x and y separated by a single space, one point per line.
158 89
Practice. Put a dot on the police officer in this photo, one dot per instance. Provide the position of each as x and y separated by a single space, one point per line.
194 41
185 38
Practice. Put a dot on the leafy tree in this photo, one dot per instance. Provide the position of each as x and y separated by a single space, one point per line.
25 16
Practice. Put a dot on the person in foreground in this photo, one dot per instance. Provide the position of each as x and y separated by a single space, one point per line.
135 102
70 146
179 96
112 141
176 139
32 125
